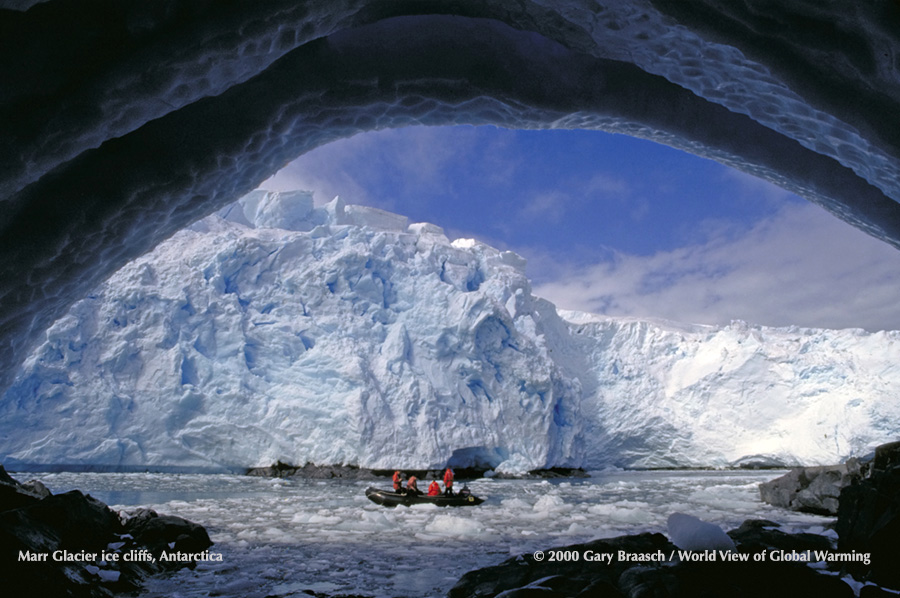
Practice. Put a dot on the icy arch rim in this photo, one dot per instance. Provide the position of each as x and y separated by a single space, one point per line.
87 216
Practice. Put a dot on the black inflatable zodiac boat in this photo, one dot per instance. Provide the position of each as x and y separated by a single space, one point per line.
389 498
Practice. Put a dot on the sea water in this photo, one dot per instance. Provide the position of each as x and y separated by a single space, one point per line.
291 537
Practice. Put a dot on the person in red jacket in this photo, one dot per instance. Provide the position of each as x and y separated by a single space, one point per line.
434 488
397 481
411 486
448 481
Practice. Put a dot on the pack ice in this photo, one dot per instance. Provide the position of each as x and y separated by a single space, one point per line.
276 330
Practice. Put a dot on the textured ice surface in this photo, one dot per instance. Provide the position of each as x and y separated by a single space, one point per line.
123 131
340 334
377 345
282 537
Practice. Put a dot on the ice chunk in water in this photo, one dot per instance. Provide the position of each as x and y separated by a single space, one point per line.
690 533
454 526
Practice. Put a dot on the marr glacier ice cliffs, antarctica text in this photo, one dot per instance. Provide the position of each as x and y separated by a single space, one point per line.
276 330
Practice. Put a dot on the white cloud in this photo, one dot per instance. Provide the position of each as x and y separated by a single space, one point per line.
604 184
551 206
801 266
326 171
546 206
413 157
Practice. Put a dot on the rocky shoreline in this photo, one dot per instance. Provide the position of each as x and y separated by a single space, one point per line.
817 489
352 472
864 494
71 544
311 471
859 561
714 574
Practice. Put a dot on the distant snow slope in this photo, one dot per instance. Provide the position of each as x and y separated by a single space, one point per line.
343 334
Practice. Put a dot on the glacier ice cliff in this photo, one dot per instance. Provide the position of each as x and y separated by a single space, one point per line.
276 330
123 122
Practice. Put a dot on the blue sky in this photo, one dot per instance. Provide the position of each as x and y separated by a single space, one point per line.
620 226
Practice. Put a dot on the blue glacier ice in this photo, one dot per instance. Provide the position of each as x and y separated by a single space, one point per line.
278 330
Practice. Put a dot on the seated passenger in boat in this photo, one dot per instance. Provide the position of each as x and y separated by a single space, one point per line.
434 489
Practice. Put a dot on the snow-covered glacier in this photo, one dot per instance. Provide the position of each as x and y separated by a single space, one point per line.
277 330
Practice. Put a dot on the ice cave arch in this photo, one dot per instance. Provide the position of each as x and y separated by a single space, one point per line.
124 122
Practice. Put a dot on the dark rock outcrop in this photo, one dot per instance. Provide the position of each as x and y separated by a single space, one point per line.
886 457
869 519
548 474
524 577
14 495
352 472
811 489
865 496
157 533
745 580
312 471
54 544
757 535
